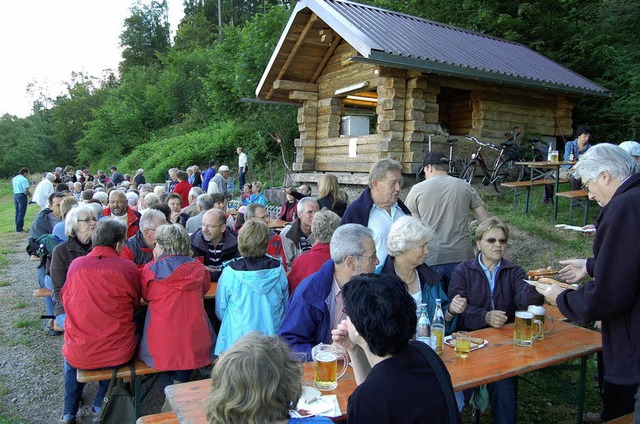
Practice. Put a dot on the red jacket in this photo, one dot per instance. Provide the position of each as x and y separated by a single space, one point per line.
275 248
133 220
99 296
306 264
182 188
177 333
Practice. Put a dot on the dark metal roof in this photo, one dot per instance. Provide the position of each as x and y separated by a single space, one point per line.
394 39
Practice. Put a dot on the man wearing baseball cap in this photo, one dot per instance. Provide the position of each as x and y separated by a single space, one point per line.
443 202
218 183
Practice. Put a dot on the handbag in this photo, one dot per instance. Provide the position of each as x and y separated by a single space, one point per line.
444 381
119 404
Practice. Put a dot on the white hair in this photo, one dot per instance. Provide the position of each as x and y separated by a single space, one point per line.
605 157
348 240
407 232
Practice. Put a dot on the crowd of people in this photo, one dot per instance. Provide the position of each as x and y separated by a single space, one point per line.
351 274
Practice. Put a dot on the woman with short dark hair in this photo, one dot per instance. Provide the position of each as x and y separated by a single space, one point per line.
396 379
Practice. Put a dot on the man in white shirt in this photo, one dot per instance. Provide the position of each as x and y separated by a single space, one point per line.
243 166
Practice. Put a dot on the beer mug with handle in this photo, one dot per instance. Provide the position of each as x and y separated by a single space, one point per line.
523 334
325 365
540 314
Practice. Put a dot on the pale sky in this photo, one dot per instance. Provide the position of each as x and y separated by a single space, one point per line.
43 41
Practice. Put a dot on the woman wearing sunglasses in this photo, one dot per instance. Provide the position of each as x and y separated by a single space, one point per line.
495 289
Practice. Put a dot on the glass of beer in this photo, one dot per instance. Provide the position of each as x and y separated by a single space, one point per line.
463 344
523 334
325 366
540 314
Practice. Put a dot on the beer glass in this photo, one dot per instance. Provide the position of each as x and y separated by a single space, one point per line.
463 344
523 334
325 366
540 314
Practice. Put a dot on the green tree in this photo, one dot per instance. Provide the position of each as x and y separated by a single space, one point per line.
146 35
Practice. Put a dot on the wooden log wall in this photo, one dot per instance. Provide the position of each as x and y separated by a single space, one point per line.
408 111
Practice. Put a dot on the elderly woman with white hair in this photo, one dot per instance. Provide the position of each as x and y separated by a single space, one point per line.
407 247
78 227
610 175
174 284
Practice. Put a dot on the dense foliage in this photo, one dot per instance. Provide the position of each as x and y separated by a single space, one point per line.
180 104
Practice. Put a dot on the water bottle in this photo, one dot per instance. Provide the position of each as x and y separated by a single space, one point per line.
437 327
549 154
423 329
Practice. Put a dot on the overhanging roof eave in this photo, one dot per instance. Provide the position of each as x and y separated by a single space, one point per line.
403 62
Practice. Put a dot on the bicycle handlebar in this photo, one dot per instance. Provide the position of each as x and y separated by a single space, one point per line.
474 139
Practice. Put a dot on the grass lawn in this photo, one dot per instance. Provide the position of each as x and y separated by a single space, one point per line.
543 396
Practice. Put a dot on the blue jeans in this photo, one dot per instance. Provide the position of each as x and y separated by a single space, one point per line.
502 397
48 300
445 271
240 180
73 392
20 201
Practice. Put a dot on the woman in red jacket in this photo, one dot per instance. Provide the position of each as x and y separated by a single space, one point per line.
178 336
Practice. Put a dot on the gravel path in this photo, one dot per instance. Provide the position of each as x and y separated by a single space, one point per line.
31 380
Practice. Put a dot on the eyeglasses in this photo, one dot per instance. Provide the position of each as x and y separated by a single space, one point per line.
585 186
494 240
88 220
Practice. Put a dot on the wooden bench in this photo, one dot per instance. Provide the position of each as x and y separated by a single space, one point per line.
43 292
161 418
527 185
140 368
579 196
625 419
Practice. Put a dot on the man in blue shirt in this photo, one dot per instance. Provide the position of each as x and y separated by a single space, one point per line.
20 197
208 175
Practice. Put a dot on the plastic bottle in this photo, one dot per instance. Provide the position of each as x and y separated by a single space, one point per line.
423 329
549 153
437 327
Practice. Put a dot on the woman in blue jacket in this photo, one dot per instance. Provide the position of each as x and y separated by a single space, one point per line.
252 290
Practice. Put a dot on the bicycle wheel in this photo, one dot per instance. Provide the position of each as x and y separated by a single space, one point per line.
509 171
457 166
469 172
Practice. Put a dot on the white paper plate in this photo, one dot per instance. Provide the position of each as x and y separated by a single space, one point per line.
447 341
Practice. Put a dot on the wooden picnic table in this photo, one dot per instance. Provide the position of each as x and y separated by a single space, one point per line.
498 360
546 165
187 399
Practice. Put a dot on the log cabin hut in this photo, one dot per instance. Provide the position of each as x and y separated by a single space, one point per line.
371 83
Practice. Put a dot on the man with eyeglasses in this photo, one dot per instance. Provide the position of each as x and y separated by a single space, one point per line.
445 203
316 306
379 205
610 175
139 248
213 243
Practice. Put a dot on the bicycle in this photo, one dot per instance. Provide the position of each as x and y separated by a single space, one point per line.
503 169
456 165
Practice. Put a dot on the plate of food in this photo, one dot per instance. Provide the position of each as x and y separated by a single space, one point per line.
544 283
536 274
476 342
